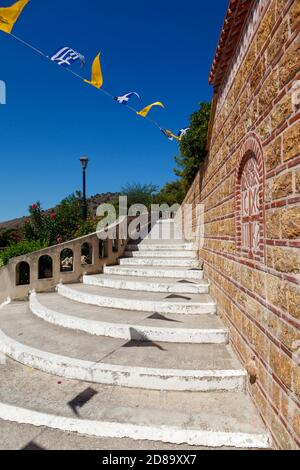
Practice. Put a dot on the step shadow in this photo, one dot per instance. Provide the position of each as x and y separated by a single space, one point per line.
185 281
82 399
32 446
178 297
158 316
143 342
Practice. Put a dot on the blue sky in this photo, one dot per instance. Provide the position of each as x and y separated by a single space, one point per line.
163 49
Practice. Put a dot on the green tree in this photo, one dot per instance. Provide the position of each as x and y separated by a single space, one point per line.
69 215
193 146
138 194
171 193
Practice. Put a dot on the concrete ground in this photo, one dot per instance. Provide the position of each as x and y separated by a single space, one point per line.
34 390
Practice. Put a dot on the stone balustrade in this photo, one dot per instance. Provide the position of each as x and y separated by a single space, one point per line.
64 263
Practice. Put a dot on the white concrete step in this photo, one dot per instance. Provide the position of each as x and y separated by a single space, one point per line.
157 272
190 304
153 366
160 241
127 324
148 284
165 231
170 221
160 247
162 262
161 254
31 397
17 436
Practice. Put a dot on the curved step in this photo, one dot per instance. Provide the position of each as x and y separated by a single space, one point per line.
212 420
162 272
161 254
127 324
176 262
189 304
159 246
147 284
77 355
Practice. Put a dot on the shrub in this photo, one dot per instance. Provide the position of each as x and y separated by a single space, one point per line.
9 236
90 226
41 226
19 249
56 226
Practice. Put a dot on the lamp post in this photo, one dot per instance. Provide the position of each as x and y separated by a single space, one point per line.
84 163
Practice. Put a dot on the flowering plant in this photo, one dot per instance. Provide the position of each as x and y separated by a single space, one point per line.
41 226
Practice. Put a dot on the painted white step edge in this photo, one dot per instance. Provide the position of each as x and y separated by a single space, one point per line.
154 272
193 308
161 247
146 286
166 221
168 434
125 376
181 262
188 255
128 332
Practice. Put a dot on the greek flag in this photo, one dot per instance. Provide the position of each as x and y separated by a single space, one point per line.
125 98
67 56
183 132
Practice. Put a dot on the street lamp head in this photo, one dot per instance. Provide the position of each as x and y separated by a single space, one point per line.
84 162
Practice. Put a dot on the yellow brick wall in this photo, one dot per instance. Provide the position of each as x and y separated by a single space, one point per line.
259 300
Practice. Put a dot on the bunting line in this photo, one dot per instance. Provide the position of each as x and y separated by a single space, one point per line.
66 56
80 77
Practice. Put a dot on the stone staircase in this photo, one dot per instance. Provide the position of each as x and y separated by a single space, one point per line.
136 352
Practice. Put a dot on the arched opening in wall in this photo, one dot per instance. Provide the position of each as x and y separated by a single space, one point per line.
250 202
115 245
103 249
86 254
22 274
45 267
66 260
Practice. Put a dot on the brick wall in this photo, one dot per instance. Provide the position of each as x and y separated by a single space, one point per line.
250 187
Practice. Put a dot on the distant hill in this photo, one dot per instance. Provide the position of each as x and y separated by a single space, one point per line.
97 199
93 203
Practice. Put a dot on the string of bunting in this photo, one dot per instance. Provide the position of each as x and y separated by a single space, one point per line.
66 57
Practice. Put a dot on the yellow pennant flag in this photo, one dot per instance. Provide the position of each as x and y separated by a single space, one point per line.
97 78
9 15
173 136
144 112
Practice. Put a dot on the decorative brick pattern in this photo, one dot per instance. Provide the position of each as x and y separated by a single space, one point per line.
249 201
250 188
